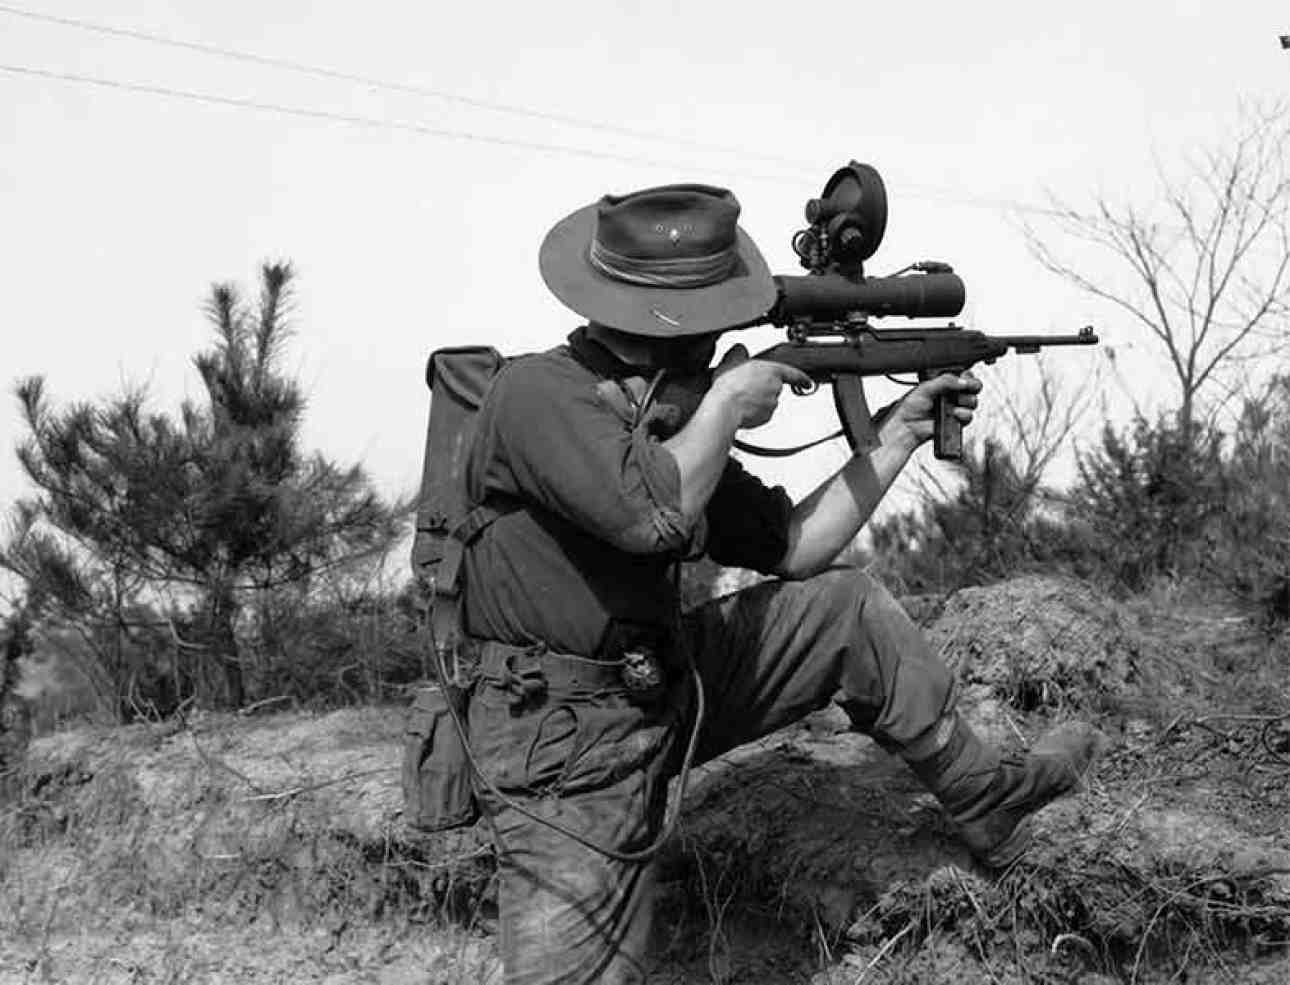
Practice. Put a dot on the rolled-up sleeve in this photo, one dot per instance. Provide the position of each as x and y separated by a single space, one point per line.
569 452
747 521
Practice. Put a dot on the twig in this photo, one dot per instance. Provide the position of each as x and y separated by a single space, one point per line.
716 909
942 655
1181 974
967 891
294 791
1128 814
882 952
1069 938
985 962
1237 718
411 863
179 641
1186 891
1016 731
182 707
43 951
213 762
826 952
251 708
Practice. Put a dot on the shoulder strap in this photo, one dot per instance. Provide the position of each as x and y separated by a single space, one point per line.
445 589
475 522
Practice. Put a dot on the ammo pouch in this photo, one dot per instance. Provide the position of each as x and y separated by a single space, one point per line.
437 789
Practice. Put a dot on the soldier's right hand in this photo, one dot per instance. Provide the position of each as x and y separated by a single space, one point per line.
751 387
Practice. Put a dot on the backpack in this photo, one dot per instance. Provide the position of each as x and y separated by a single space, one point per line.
459 379
438 780
437 789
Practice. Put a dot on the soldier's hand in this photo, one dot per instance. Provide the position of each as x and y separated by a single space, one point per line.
751 387
916 412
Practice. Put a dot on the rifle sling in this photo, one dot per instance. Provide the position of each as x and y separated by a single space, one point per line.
879 419
765 452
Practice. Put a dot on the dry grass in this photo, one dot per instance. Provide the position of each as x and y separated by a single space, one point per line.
1173 866
150 834
269 849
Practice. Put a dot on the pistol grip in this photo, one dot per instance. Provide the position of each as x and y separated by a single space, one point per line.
947 433
947 430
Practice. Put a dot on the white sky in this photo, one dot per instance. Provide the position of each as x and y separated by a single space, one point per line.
118 209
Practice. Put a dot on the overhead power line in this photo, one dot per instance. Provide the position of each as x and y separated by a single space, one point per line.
407 88
928 192
371 122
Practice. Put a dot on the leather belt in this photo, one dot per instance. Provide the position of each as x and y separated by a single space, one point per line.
535 668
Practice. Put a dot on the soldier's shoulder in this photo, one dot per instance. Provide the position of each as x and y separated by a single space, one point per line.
554 368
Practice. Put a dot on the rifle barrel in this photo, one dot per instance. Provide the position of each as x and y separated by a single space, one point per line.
1048 339
1033 343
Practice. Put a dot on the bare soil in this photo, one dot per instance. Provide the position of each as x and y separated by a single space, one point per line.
270 849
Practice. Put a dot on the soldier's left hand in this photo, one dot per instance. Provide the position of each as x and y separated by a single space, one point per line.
915 414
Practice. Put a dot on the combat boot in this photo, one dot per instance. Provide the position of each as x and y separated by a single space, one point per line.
990 797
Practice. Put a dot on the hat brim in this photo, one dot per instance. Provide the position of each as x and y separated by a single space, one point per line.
741 299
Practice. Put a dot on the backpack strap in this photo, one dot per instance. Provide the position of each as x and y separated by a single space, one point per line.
445 597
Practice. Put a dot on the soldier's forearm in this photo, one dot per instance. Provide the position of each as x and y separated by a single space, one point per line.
701 449
829 518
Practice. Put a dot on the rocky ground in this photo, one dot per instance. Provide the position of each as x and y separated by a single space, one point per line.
270 849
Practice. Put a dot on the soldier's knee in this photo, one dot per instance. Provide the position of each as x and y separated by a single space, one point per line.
853 593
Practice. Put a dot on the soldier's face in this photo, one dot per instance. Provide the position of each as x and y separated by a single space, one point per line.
689 353
685 354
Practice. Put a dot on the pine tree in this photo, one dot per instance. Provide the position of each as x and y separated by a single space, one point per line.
194 513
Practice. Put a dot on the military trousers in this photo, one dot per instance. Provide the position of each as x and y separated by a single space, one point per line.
595 761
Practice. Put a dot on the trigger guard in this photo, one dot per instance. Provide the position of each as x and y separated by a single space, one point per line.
804 389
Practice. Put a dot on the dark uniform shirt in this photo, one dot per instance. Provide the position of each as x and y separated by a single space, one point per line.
593 500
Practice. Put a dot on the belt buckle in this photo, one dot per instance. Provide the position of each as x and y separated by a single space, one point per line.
642 674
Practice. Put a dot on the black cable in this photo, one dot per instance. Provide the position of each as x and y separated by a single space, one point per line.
670 819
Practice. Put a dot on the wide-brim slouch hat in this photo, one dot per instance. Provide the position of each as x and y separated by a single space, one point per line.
664 262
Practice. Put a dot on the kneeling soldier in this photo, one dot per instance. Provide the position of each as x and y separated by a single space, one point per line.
590 675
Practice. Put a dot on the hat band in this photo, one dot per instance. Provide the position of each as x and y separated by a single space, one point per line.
676 272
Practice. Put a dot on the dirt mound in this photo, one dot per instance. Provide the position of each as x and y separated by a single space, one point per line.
1157 869
839 835
1047 644
813 843
284 817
